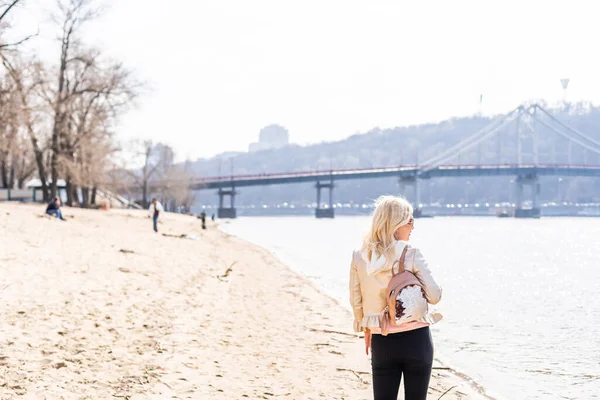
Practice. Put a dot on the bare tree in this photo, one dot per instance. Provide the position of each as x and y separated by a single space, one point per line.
15 154
26 80
172 181
71 16
5 8
90 167
8 130
180 197
86 94
23 162
87 136
15 157
152 171
142 167
67 112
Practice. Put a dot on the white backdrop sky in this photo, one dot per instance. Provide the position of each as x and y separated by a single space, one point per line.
218 71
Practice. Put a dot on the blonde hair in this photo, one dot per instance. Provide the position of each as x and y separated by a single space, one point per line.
391 212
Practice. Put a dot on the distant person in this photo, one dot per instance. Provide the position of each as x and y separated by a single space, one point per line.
213 217
54 208
398 337
203 218
155 210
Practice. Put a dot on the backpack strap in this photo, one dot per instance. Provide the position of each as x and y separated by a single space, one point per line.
400 262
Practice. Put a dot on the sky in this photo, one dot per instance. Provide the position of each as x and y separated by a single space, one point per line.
216 72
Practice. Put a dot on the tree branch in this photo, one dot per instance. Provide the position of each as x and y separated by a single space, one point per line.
14 3
4 46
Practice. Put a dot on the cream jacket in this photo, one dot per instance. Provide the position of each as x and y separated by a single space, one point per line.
368 284
158 208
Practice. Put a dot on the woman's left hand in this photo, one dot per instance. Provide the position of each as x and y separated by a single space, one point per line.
368 335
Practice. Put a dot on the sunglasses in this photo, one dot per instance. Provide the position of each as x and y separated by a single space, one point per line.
411 222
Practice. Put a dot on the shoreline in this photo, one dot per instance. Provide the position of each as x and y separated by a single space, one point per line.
100 307
460 377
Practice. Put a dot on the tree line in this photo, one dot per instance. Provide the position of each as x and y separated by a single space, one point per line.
58 119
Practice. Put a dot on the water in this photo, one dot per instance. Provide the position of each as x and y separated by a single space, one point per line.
521 301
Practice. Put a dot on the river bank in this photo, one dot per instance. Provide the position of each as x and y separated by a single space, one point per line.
102 307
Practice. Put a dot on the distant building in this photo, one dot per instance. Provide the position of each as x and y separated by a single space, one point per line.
229 154
271 137
254 147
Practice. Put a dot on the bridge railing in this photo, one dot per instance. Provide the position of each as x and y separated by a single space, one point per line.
326 173
304 173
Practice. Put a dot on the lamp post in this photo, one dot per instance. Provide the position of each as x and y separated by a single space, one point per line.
431 185
558 192
565 84
467 191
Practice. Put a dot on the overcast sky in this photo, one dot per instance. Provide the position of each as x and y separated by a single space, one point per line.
218 71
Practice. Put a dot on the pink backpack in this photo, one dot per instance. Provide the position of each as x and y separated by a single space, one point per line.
406 299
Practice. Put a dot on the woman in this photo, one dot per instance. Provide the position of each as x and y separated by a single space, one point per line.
407 350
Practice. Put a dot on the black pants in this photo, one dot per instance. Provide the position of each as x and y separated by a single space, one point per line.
405 353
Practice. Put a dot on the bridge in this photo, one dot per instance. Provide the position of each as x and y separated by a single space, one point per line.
404 171
526 173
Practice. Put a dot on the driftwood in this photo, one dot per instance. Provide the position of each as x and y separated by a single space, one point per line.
446 392
182 236
356 373
227 271
335 332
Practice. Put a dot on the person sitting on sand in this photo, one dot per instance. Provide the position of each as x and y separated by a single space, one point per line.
54 208
155 209
407 349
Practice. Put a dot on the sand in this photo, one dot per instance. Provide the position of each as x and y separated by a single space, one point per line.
101 307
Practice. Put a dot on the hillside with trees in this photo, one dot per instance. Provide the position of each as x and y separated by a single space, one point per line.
414 145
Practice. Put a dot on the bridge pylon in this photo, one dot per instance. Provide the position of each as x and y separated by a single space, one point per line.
324 212
227 212
411 182
532 181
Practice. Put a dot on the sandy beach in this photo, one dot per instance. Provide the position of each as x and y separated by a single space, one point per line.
101 307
